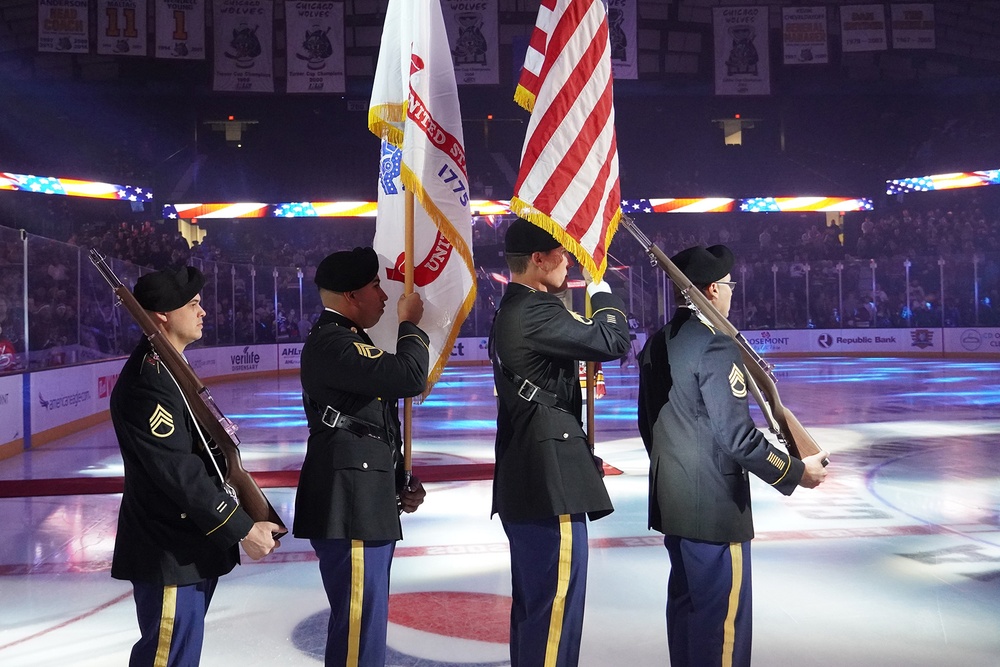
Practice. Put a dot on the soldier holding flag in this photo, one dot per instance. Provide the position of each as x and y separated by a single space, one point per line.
352 486
547 480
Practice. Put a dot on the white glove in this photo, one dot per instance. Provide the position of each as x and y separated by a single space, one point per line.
595 288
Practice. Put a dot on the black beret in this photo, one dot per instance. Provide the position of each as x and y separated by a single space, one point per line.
347 270
703 266
524 238
163 291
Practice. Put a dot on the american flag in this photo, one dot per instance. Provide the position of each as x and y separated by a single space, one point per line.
527 85
568 180
134 194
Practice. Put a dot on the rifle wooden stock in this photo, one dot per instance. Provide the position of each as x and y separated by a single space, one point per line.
780 419
220 429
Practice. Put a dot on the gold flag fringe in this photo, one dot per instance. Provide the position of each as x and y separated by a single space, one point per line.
412 183
524 98
525 210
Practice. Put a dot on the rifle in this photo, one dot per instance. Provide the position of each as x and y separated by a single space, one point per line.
761 382
220 429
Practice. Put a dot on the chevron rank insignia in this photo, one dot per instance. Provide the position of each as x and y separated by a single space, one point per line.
580 318
369 351
738 382
161 423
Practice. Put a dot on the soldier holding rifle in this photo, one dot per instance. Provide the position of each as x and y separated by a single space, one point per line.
695 422
178 528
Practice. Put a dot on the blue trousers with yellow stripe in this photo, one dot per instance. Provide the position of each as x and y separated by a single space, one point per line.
171 622
709 614
548 564
356 578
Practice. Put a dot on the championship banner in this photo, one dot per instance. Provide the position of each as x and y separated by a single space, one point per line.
244 41
742 60
121 27
804 35
913 26
862 28
567 182
624 36
473 32
315 38
180 29
423 153
63 26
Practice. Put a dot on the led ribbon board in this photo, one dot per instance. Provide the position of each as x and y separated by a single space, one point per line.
962 179
493 207
71 187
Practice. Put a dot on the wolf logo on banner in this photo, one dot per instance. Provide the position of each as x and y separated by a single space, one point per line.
243 45
473 30
415 110
741 51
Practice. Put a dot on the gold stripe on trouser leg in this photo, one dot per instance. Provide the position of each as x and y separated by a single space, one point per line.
562 586
168 612
357 600
729 627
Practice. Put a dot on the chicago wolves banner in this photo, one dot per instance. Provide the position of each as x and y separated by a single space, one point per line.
473 34
804 35
623 34
180 29
913 26
315 47
121 27
862 28
742 59
423 152
63 26
244 46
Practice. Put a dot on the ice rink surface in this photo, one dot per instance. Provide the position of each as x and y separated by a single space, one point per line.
895 561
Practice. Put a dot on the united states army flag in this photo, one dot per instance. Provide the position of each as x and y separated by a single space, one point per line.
415 111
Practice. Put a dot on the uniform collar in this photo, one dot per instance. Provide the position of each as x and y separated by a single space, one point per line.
330 316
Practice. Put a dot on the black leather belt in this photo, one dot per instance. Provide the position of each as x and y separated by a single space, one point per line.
531 392
336 419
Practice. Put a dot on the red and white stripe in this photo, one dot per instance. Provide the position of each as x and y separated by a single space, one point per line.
527 85
568 180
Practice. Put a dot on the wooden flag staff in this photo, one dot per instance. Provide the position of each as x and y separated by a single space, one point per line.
407 290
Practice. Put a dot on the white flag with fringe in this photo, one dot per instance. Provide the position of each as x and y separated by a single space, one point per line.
415 111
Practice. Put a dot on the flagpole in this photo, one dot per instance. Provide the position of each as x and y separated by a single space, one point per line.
408 289
591 386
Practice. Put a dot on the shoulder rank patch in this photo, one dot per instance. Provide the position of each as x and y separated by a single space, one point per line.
738 382
161 423
369 351
580 318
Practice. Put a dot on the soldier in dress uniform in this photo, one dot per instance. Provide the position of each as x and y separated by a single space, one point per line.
695 422
352 488
178 529
547 479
